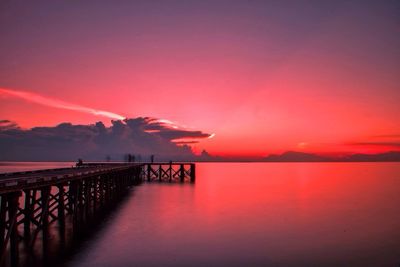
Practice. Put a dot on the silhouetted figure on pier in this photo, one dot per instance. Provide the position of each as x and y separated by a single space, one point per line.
152 158
79 163
131 158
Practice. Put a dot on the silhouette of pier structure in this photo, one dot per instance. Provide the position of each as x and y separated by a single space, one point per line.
69 198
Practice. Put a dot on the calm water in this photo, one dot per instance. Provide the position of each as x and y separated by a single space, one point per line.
257 214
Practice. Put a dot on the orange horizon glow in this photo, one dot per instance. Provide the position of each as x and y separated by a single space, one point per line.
243 148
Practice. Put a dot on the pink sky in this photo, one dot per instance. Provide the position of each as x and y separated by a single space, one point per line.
265 78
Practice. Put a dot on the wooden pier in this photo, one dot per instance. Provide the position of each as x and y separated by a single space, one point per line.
31 202
168 172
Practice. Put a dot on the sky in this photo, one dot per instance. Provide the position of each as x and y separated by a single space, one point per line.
259 77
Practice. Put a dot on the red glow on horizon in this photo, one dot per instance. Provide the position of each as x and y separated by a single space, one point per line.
257 147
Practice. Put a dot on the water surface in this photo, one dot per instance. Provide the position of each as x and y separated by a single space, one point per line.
257 214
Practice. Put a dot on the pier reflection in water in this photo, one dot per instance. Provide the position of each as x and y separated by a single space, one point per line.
257 214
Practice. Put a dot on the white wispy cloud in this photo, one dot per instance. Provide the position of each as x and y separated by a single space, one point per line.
55 103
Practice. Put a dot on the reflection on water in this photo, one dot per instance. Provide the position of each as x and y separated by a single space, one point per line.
258 214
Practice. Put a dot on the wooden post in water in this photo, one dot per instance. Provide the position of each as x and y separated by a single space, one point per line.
170 171
13 230
148 172
61 208
73 191
107 189
160 173
3 211
96 193
80 208
27 213
192 173
87 198
45 195
182 173
70 199
101 191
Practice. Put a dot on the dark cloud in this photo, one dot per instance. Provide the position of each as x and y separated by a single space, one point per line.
143 135
172 134
185 142
386 140
165 130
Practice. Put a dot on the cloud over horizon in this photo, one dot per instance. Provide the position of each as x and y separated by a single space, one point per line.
139 136
383 140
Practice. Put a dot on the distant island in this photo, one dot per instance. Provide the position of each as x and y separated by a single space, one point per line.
300 156
295 156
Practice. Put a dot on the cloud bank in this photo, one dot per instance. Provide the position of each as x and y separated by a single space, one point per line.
139 136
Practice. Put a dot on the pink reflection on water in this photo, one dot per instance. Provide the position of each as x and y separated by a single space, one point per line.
273 214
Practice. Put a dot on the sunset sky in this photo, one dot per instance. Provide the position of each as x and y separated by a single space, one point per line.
263 76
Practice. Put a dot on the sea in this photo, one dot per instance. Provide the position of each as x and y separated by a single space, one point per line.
252 214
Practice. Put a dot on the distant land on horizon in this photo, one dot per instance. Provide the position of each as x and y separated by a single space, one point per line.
295 156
